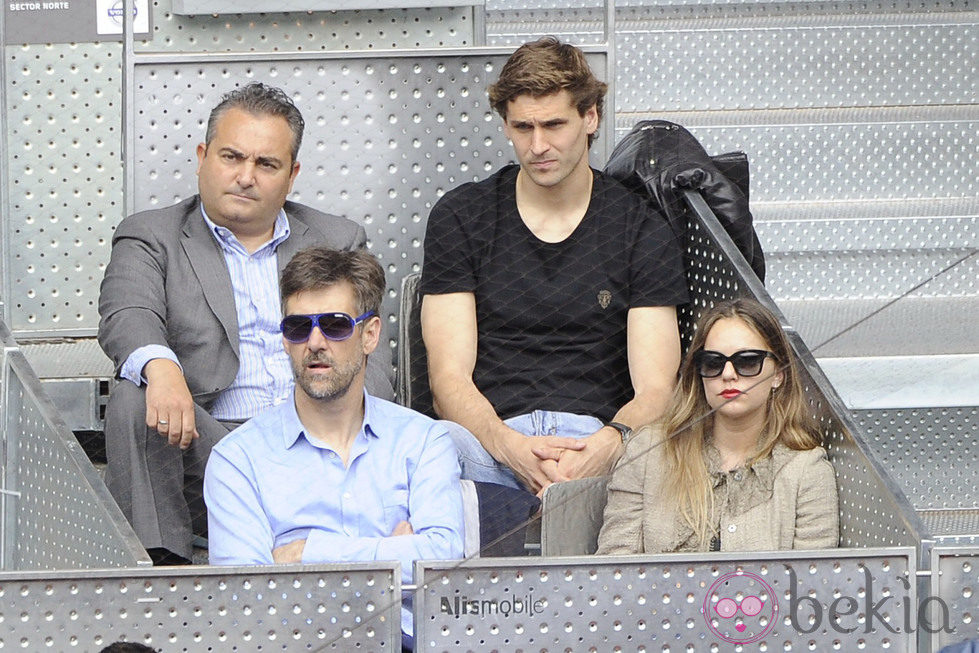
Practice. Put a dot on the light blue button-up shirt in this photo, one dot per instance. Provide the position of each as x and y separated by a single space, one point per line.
268 484
264 374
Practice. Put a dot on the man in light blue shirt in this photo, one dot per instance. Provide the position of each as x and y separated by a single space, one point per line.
335 474
190 314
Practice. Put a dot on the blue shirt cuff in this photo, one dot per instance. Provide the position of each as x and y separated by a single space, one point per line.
132 369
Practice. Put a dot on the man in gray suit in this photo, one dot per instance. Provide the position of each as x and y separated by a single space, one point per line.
190 312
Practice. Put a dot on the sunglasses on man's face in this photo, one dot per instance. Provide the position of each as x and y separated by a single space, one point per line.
333 326
747 362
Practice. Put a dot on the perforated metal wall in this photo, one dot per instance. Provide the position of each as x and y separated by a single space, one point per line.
796 62
932 452
955 582
386 136
64 174
514 23
660 603
306 32
64 121
312 608
859 227
873 156
59 515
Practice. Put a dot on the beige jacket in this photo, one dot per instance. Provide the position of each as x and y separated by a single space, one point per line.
786 501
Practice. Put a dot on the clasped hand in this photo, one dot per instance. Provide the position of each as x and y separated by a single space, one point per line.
539 461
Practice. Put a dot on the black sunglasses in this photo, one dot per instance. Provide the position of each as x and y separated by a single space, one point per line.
747 362
333 326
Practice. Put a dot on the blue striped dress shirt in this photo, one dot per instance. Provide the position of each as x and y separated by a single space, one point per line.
264 373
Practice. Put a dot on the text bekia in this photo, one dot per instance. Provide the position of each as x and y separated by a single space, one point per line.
873 613
458 606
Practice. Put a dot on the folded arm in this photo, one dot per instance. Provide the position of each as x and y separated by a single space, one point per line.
240 530
435 520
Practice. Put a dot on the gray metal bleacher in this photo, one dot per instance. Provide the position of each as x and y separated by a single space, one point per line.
55 512
860 121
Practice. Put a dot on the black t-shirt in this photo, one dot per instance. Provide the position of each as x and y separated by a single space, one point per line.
551 317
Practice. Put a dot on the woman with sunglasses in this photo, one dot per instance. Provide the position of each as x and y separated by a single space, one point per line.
734 464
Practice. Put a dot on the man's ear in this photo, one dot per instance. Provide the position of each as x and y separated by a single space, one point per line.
293 174
591 120
201 153
371 336
506 130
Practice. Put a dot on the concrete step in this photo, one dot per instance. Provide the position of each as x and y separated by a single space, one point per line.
904 382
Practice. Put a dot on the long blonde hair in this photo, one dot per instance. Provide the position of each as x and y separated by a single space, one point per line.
688 420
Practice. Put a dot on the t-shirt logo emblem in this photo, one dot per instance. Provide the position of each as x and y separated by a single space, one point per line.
604 298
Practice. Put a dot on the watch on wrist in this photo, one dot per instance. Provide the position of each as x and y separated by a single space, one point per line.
624 431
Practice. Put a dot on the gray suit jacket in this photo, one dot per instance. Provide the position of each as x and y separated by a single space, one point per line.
167 284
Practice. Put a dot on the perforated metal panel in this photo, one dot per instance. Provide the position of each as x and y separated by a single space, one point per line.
309 608
59 515
513 24
655 603
933 453
302 31
860 138
64 176
710 277
955 581
952 527
796 62
76 358
878 274
844 226
854 155
385 136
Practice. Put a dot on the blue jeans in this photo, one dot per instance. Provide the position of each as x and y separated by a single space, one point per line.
478 465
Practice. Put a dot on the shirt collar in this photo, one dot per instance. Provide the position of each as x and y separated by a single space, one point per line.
226 237
762 472
292 427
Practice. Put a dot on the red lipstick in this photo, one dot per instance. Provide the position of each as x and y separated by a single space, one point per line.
731 393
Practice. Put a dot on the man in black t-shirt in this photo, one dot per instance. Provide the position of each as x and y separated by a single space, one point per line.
549 291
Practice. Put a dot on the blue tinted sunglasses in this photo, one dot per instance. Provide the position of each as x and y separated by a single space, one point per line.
333 326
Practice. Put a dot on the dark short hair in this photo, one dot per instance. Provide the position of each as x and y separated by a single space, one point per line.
260 100
544 67
127 647
320 267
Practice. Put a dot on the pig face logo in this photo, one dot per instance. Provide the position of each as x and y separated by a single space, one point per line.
740 608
